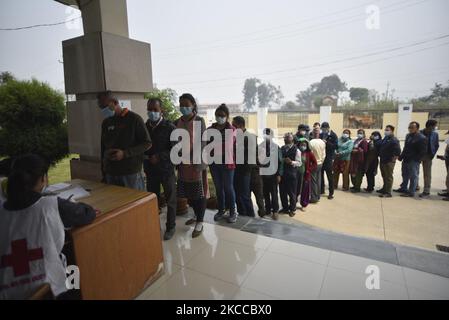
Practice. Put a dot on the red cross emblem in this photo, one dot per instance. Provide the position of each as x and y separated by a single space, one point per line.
20 257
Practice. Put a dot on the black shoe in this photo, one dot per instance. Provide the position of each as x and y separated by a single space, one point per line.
196 234
446 199
219 216
355 190
190 222
400 191
314 201
443 194
407 195
169 234
368 190
330 197
424 194
292 214
284 211
381 191
386 195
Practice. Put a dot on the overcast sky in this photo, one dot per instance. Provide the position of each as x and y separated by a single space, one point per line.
209 47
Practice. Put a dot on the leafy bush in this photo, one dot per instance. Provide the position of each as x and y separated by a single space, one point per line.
32 120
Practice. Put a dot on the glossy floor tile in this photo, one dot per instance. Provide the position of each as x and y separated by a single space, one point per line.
225 263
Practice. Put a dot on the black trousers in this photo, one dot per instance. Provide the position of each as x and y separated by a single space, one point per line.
270 194
289 184
257 189
327 170
168 182
199 208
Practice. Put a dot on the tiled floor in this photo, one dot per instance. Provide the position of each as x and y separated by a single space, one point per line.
226 263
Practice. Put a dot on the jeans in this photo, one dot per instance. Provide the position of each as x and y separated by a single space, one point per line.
132 181
270 193
316 184
242 185
410 174
168 182
327 169
224 187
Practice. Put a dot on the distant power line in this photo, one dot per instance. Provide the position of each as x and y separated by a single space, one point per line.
40 25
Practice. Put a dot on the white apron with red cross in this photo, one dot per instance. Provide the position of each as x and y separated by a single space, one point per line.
31 241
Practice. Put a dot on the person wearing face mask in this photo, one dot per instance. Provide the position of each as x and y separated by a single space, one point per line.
343 159
302 133
389 151
433 144
31 221
372 160
270 183
331 140
158 167
415 148
358 161
124 140
308 166
192 177
445 193
318 148
223 172
292 161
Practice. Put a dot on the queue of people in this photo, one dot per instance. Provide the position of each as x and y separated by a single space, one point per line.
130 146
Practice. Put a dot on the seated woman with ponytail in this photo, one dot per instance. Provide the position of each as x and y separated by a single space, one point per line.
32 231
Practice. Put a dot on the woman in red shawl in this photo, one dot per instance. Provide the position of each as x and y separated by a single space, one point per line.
358 160
309 165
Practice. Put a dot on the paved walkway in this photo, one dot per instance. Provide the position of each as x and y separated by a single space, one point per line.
422 223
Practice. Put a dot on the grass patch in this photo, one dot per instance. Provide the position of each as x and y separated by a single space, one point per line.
61 171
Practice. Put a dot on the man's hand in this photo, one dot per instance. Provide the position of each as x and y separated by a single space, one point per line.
117 154
278 179
288 161
441 158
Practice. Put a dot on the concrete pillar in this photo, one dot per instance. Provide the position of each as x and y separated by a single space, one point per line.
103 59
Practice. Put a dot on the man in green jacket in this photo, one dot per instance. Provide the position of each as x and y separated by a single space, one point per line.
124 140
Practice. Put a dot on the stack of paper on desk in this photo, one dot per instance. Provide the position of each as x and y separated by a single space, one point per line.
74 193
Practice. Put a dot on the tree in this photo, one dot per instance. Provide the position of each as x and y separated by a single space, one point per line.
5 77
32 120
268 94
289 106
439 92
250 92
169 99
328 86
359 94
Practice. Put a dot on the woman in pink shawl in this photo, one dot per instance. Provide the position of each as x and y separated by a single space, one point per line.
192 177
358 161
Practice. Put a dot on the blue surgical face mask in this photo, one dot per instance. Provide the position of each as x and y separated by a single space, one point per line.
154 116
107 112
186 111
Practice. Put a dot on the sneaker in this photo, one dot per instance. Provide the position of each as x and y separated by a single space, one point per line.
219 216
331 197
424 194
232 218
386 195
400 191
275 216
169 234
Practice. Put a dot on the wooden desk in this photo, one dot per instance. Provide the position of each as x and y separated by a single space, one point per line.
120 253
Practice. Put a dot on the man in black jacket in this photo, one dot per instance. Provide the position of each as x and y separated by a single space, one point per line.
331 140
389 152
124 140
158 167
414 150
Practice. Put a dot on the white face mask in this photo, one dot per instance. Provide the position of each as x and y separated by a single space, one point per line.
221 120
447 141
